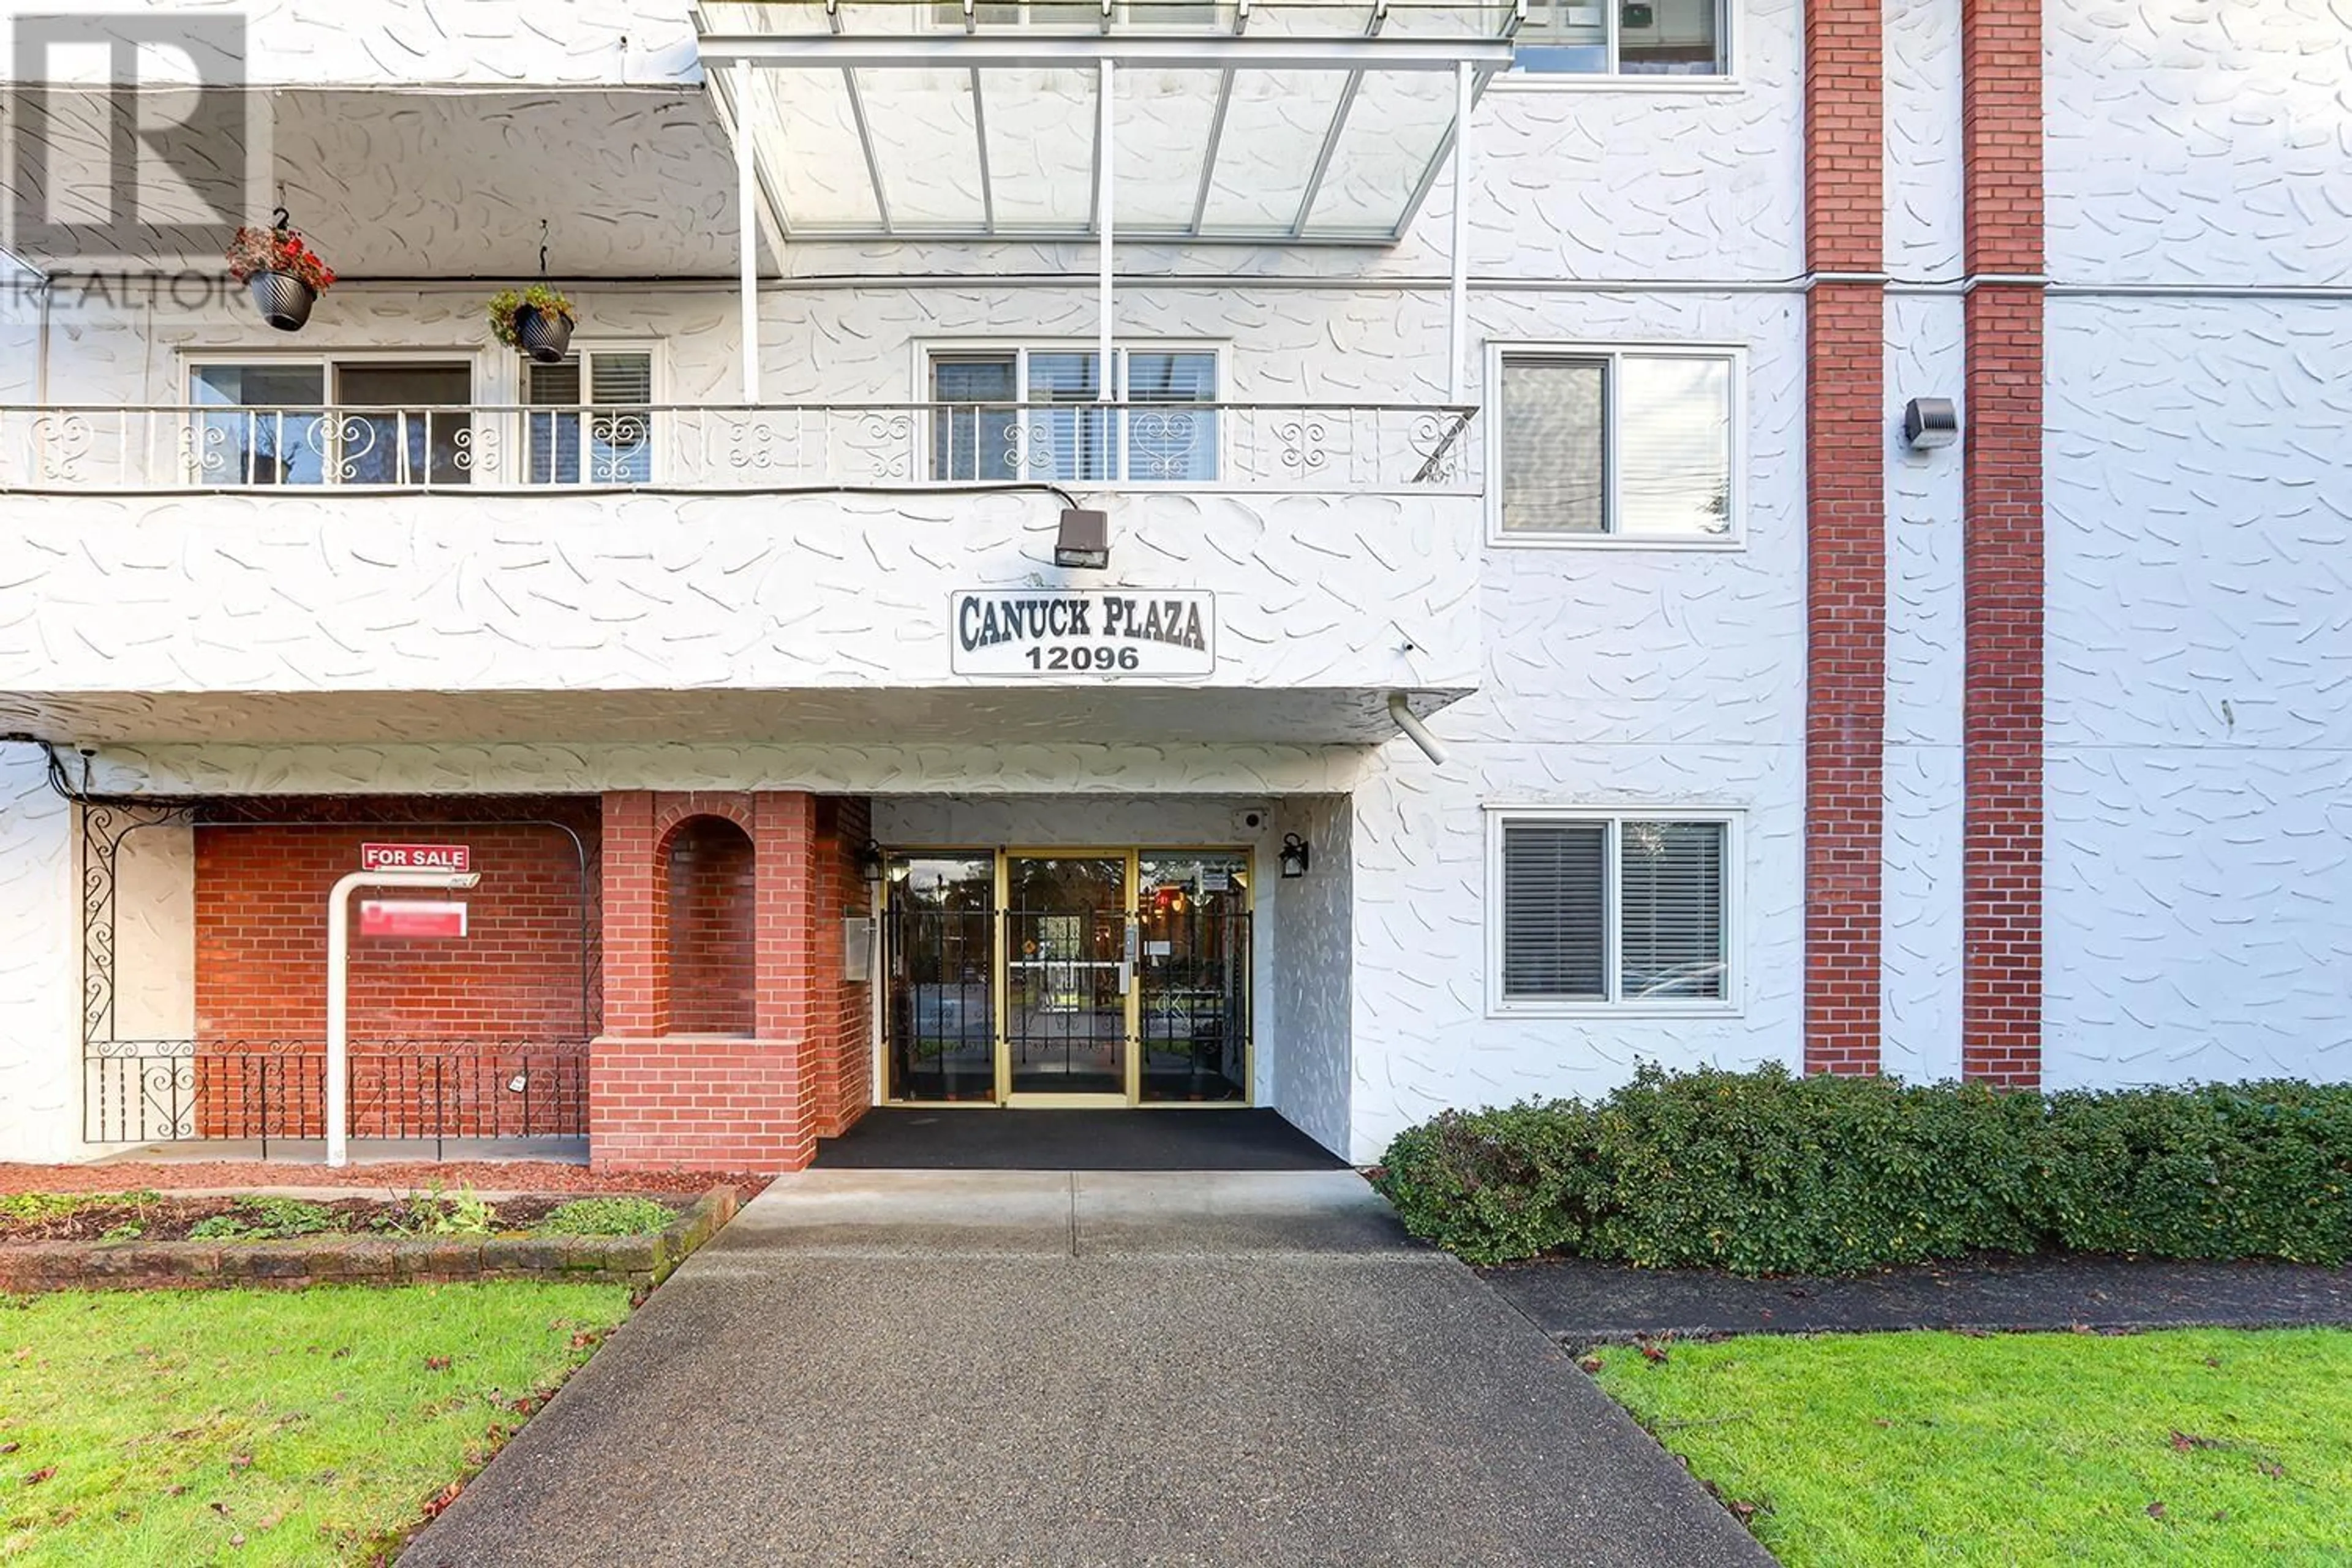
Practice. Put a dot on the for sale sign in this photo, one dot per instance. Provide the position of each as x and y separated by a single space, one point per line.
415 857
412 918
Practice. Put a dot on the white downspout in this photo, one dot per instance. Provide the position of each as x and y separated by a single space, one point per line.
1414 730
339 991
1104 153
747 218
1457 313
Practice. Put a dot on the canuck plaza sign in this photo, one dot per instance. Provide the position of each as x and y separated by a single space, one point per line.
1105 633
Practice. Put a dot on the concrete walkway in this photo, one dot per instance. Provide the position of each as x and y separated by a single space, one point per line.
1018 1367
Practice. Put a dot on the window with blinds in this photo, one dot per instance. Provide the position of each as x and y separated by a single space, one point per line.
1036 414
1555 910
1616 445
591 419
1612 909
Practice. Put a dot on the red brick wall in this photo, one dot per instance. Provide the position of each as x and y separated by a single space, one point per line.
2002 566
512 988
844 1068
1845 505
697 1103
712 946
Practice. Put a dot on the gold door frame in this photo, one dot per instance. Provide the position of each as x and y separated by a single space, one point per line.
999 978
1131 1015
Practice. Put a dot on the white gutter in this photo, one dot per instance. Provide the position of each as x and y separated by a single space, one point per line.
338 943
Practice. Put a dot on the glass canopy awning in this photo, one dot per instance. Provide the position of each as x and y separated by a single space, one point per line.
1260 122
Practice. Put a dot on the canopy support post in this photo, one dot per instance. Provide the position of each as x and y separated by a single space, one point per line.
1458 312
747 219
1107 390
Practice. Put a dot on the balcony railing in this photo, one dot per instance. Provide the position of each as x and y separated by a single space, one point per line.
1311 448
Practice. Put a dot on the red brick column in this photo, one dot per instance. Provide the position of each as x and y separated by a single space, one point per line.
1845 532
663 1100
2002 566
636 1000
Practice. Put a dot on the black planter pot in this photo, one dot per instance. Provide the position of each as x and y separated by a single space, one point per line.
284 300
544 335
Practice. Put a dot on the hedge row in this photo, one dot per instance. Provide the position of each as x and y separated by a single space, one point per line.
1761 1173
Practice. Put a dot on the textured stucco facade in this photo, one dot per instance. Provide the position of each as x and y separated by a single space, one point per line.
709 631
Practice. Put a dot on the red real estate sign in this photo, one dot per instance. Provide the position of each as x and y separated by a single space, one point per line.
415 857
411 916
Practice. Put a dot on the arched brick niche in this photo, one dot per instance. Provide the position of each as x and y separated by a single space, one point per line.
710 942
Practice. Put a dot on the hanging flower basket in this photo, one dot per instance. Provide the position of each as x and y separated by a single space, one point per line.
536 321
284 275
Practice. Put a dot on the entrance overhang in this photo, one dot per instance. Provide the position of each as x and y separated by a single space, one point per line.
973 715
1306 122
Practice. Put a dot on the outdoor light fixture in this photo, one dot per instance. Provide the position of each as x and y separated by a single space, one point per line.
1930 423
1084 541
869 863
1295 856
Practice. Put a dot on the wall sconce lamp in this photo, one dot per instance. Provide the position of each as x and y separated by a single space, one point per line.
1295 856
1930 423
869 863
1084 541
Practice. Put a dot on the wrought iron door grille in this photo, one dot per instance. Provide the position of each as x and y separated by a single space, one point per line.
941 1011
1195 1004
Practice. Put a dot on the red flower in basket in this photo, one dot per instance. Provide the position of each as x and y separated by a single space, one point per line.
279 250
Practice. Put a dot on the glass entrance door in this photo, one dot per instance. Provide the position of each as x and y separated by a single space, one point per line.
939 944
1192 978
1069 975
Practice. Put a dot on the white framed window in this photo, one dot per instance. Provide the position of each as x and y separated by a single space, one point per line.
1613 911
357 419
1616 445
591 419
1032 411
1647 41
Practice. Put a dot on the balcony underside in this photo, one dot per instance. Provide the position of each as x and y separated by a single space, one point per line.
974 715
632 182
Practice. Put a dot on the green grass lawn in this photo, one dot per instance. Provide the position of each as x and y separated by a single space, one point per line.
305 1426
2205 1447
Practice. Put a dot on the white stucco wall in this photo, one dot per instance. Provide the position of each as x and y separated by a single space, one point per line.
40 981
2199 725
2200 915
1314 971
2199 142
1926 647
1615 674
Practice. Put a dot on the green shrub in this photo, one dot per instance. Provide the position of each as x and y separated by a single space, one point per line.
1762 1172
1492 1185
267 1219
2256 1170
605 1216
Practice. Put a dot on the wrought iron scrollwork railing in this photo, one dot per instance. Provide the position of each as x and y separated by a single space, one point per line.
159 1092
1335 448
